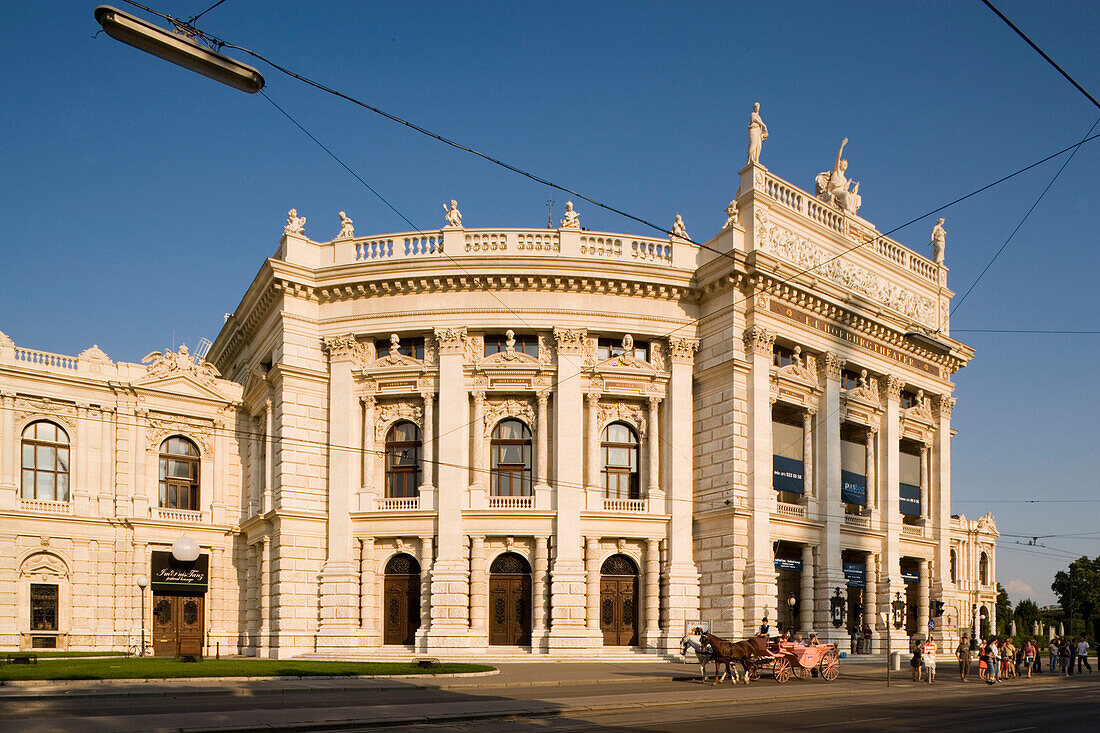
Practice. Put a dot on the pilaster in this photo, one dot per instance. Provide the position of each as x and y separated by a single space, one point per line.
9 442
830 572
683 576
651 634
890 582
760 578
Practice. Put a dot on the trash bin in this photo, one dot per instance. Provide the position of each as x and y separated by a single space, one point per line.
895 661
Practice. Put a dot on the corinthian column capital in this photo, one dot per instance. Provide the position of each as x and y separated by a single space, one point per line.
758 341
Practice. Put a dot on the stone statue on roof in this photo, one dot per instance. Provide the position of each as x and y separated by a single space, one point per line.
347 227
295 224
454 216
939 242
678 228
758 133
571 220
731 215
832 187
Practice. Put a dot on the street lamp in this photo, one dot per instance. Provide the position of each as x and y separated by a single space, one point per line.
142 583
178 48
185 549
836 605
898 607
791 603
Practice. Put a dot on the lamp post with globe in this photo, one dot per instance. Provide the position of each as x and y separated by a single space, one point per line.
142 583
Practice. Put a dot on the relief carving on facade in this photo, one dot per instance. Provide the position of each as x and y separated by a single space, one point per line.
451 340
921 409
43 565
509 355
160 426
657 356
498 409
475 348
609 411
801 369
570 340
866 390
394 357
181 362
387 413
546 355
61 412
806 255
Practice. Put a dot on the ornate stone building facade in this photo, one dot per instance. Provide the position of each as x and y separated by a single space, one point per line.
549 441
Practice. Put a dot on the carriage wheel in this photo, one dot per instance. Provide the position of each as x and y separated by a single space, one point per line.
754 672
830 666
782 670
802 673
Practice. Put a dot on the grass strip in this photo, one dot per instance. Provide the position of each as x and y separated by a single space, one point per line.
47 654
165 668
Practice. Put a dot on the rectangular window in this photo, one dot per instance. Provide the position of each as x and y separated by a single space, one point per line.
849 379
525 343
853 473
409 346
910 484
788 470
43 607
609 348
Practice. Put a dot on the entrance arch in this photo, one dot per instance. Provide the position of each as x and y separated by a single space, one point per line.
619 601
510 601
401 600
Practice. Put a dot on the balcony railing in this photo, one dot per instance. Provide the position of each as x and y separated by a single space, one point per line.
46 507
624 505
178 515
784 509
912 530
402 503
856 520
44 358
511 502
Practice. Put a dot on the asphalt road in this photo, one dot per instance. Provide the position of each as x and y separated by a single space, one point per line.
555 697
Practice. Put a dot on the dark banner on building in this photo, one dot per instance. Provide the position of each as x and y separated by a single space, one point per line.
787 474
856 574
910 576
786 563
910 500
168 573
853 488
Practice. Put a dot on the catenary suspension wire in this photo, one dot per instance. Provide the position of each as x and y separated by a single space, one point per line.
193 18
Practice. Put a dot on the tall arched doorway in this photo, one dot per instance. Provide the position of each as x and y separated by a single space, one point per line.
401 600
510 601
619 601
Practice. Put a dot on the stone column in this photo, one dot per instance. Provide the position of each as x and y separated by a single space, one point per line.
450 578
925 597
269 456
264 562
78 489
370 593
940 498
367 492
479 591
481 469
806 591
217 501
9 452
427 563
538 620
924 481
760 577
339 606
870 602
428 437
829 571
542 453
872 484
683 576
652 632
592 480
592 583
567 578
653 480
890 582
138 451
808 457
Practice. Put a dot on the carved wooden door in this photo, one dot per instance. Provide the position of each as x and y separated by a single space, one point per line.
619 610
178 625
401 608
510 610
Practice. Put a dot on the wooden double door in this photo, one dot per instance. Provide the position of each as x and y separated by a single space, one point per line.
401 606
510 610
619 610
177 625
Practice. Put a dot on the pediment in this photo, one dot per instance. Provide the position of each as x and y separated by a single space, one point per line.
509 359
625 364
865 393
181 383
396 360
44 564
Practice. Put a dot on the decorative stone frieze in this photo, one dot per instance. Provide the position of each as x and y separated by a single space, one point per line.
181 362
609 411
451 340
758 341
161 426
387 413
61 412
498 409
682 350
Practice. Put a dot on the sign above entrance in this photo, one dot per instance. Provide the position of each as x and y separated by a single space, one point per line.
168 573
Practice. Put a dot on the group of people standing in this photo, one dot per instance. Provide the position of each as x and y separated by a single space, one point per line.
999 659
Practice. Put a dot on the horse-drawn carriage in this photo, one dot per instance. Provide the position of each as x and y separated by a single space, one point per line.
757 655
786 659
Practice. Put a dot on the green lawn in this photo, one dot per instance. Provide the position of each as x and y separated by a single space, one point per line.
48 654
156 668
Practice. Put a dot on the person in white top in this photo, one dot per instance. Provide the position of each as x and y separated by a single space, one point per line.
928 659
1083 655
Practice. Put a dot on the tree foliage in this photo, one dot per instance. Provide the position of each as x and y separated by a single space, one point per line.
1078 588
1027 613
1004 609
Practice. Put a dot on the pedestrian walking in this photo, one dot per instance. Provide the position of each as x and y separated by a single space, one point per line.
1053 649
993 651
916 662
1064 659
928 659
962 654
1083 655
1008 658
1030 652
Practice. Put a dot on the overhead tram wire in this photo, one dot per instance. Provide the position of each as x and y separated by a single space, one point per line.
193 18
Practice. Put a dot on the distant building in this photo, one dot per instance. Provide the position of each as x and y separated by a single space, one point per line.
468 440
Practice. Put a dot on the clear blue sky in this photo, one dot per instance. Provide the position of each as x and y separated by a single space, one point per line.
140 199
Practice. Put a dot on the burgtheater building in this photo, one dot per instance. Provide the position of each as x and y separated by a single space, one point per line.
483 442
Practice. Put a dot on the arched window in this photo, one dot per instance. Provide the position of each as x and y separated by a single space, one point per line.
511 459
179 474
403 446
954 566
619 449
45 462
983 569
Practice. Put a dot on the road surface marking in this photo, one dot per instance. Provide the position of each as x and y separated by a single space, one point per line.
850 722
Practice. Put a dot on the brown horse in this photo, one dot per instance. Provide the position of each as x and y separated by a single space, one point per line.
728 652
